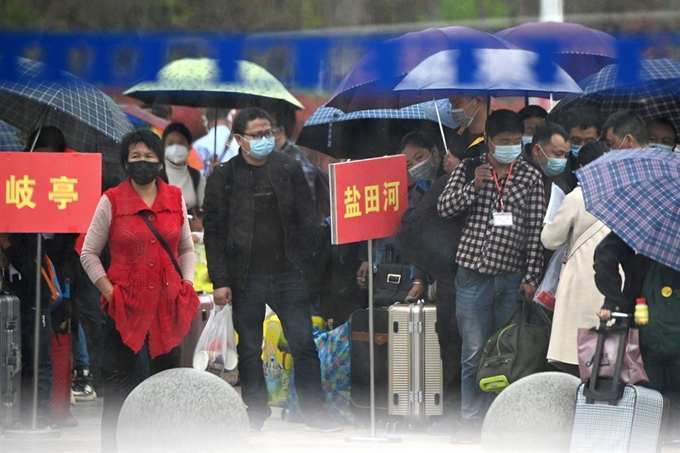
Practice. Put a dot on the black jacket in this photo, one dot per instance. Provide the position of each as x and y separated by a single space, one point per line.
609 254
228 221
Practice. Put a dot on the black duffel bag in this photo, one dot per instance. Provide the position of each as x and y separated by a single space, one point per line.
392 283
517 350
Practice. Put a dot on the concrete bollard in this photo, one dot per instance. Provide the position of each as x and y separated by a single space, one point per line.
183 410
534 414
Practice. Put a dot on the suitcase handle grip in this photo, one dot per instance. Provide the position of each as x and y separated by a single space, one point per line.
592 390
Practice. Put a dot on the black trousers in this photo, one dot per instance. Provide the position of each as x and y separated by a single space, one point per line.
450 344
117 371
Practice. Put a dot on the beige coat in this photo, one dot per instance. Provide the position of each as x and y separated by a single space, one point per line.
577 298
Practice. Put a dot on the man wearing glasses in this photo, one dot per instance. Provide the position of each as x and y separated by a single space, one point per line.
259 224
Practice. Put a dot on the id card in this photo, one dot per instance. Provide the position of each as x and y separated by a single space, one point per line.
501 219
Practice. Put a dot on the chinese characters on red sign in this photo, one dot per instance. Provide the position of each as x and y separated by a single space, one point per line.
48 192
368 198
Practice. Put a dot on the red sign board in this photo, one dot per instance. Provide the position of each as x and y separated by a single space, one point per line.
368 198
48 192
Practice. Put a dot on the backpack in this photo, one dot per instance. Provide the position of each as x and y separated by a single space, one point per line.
428 241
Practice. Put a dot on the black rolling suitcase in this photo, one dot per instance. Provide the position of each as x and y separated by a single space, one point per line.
359 355
10 360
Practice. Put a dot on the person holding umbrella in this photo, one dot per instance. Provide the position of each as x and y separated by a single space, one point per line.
470 114
500 252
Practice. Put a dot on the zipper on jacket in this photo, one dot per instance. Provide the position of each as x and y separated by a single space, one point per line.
252 223
283 222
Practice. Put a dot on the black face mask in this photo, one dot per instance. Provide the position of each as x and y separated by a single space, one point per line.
143 172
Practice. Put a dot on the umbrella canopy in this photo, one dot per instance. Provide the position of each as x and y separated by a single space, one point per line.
196 82
89 119
8 139
369 84
636 194
653 95
370 133
499 72
579 50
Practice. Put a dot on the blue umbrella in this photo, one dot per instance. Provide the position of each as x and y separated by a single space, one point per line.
370 82
579 50
636 194
499 72
8 139
371 133
653 93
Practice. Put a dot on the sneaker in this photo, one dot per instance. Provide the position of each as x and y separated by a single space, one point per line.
323 425
256 424
82 390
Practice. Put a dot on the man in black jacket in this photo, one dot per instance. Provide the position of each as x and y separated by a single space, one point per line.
259 224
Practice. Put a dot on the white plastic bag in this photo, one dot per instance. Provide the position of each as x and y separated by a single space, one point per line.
216 349
545 294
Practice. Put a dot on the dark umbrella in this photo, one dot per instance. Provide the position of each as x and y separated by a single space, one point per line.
368 85
579 50
370 133
8 139
636 194
652 94
89 119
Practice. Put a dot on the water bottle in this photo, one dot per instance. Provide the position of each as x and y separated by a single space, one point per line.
641 311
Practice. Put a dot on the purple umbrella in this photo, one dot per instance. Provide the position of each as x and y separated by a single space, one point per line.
370 83
579 50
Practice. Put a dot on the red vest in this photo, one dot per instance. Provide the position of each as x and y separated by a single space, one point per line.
149 296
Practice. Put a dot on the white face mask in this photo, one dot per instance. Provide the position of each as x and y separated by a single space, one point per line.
425 170
177 154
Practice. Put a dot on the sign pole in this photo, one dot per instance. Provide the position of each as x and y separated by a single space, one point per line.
36 325
371 336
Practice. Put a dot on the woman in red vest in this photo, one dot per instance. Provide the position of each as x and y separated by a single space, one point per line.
147 292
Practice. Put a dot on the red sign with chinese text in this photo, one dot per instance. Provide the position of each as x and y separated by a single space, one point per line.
368 198
48 192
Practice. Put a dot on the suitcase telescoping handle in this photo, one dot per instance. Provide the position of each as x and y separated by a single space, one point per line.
605 389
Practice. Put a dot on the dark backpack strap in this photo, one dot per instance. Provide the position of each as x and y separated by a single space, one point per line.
162 242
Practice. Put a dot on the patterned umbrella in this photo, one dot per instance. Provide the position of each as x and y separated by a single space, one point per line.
195 82
636 194
8 139
579 50
89 119
370 133
653 95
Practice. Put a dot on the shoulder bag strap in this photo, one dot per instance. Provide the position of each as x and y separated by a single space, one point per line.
590 232
162 242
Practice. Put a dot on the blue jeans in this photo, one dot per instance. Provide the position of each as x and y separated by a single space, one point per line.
81 356
483 303
664 369
286 294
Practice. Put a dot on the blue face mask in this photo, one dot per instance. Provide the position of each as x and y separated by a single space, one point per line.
575 150
526 139
554 166
506 154
259 149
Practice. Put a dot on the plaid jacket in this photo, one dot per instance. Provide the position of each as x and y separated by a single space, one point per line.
499 250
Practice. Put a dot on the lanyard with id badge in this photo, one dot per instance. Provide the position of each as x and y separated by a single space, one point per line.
502 218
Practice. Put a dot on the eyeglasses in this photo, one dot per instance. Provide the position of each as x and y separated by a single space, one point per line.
266 134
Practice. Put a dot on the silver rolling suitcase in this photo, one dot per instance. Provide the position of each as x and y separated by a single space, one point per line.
613 417
415 378
10 360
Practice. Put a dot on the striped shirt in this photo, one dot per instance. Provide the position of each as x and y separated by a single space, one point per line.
497 250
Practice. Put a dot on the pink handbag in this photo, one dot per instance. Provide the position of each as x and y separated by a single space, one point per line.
632 369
